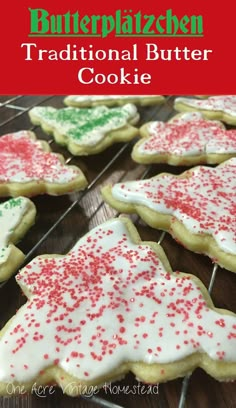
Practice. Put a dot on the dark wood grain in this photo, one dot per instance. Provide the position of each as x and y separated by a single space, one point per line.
203 391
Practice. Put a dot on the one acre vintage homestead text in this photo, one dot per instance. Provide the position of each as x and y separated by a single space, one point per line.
121 24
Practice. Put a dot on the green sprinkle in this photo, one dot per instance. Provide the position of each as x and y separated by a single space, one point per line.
78 123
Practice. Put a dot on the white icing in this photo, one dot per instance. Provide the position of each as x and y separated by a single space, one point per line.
112 301
204 203
222 103
187 135
11 213
188 116
93 98
23 160
85 126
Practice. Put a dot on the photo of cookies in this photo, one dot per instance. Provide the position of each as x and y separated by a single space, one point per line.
74 338
85 101
87 131
28 167
114 303
186 139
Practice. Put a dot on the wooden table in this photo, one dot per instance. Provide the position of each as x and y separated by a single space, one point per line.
86 211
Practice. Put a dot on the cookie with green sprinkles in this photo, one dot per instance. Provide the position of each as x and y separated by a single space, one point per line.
17 215
87 131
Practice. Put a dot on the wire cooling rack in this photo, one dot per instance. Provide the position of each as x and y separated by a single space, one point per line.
17 108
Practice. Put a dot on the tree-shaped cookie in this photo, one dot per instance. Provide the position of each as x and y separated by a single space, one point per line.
221 107
198 208
113 305
87 131
28 167
16 216
84 101
187 139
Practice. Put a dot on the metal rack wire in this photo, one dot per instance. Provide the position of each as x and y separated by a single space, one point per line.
11 103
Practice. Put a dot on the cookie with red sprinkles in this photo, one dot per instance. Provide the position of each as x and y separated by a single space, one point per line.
222 107
164 323
17 215
28 167
198 208
187 139
86 131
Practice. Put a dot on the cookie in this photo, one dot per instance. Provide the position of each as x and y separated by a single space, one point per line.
28 167
202 96
221 107
87 131
187 139
197 208
84 101
164 324
17 215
